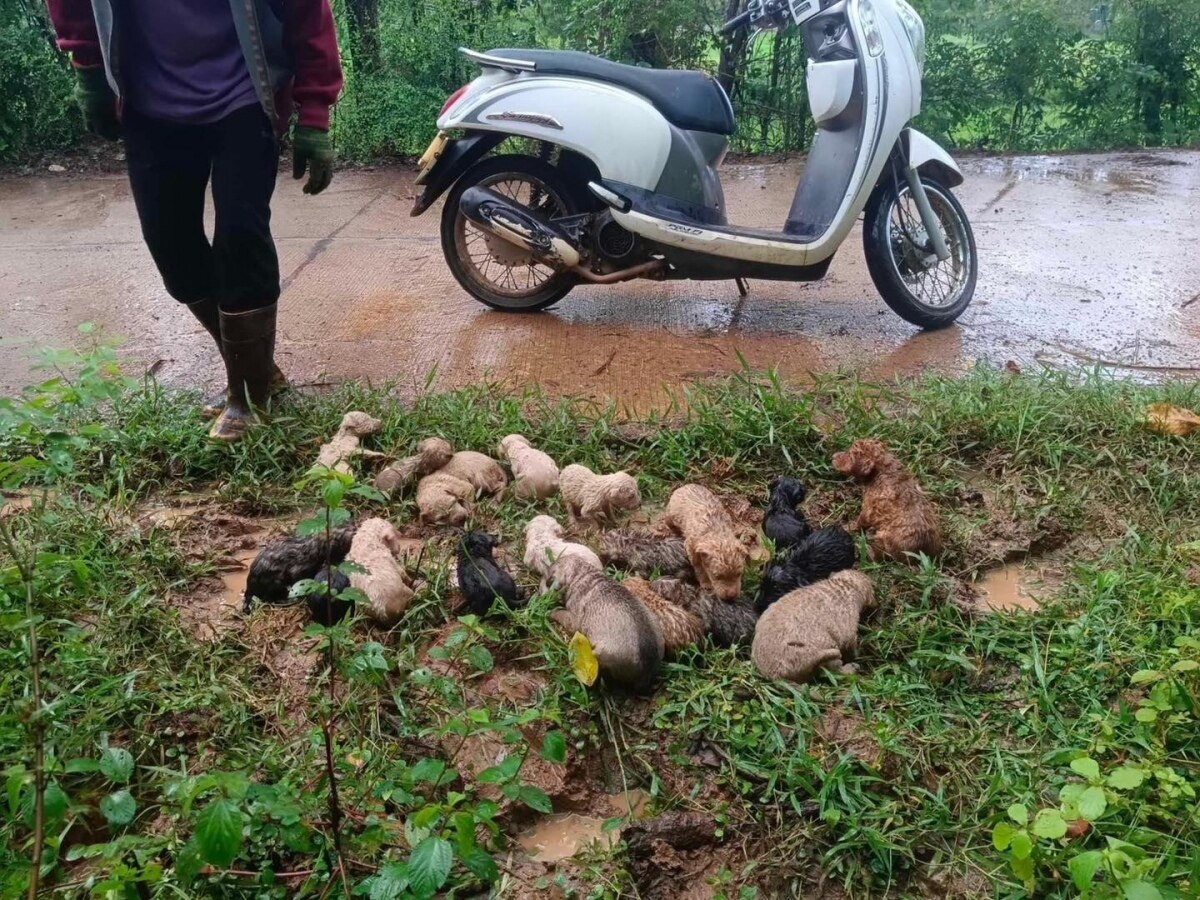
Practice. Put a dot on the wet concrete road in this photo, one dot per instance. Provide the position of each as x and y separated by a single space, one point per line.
1084 259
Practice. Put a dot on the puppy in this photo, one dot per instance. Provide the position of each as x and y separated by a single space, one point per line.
535 474
431 455
346 443
680 627
730 623
645 553
813 628
598 498
444 499
717 556
818 556
481 471
897 516
327 608
624 636
282 563
544 545
783 523
383 580
480 579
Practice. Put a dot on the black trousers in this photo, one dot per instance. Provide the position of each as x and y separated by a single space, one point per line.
169 170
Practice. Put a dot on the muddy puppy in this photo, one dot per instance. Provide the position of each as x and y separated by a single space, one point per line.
897 516
729 623
716 554
326 607
624 636
598 498
483 472
783 522
818 556
680 627
544 546
347 442
282 563
444 499
480 579
375 549
431 455
535 474
813 628
645 553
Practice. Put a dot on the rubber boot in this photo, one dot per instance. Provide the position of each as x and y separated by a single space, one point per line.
248 346
206 314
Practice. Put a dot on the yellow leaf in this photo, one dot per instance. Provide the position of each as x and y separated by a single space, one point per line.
583 659
1164 418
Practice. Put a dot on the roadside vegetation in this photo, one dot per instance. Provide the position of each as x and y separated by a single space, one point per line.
170 748
1002 75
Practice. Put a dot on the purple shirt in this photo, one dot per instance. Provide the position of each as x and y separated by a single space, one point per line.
181 60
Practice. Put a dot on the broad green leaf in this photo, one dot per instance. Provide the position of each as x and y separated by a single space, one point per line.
1092 804
535 799
119 807
1146 715
1022 845
188 862
1023 868
1087 767
1002 836
219 832
391 882
429 865
554 747
480 864
117 765
16 784
333 493
1049 823
1140 890
1084 867
1019 813
429 771
54 802
506 771
1145 676
81 766
1126 778
481 658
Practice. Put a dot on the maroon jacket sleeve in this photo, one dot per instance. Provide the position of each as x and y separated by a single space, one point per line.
312 38
76 29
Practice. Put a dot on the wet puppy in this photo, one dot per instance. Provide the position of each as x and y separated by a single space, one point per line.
680 627
783 523
444 499
535 474
282 563
347 442
624 635
818 556
376 549
729 623
544 545
897 516
326 607
645 553
598 498
480 579
431 455
716 554
481 471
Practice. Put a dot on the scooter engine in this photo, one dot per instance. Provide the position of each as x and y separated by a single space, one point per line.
611 242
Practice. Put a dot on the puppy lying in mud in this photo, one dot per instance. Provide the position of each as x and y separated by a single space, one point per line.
346 444
280 564
645 553
598 498
818 556
716 554
680 627
783 523
897 516
544 546
535 474
480 471
432 454
444 500
729 623
813 628
378 549
480 579
625 638
326 607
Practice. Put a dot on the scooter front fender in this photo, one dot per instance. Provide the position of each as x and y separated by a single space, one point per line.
925 155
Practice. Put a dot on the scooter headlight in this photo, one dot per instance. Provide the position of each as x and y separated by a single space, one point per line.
916 32
870 26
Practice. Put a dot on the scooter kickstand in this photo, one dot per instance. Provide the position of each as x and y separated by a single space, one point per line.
743 286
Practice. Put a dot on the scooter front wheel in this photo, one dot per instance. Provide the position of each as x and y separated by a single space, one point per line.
920 288
493 271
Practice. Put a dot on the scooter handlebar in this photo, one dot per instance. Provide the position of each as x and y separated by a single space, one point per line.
737 22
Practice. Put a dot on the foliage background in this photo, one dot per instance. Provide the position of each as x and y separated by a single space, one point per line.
1002 75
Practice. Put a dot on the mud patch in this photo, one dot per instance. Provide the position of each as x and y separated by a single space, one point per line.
562 836
1004 590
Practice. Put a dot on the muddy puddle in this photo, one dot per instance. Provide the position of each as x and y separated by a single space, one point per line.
1006 590
562 836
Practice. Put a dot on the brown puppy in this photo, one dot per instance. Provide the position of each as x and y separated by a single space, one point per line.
717 555
477 468
896 514
680 628
729 623
444 499
597 498
813 628
645 553
432 454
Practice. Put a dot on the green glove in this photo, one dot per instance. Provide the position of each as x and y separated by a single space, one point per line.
97 103
312 149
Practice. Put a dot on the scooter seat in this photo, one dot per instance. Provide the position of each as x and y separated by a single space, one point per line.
690 100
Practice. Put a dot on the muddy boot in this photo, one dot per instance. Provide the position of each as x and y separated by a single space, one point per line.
207 315
248 342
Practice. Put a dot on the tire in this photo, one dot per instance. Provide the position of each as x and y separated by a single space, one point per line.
555 196
892 257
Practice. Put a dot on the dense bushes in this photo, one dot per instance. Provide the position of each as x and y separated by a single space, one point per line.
1001 75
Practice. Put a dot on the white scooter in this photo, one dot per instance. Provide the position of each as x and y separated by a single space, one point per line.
614 175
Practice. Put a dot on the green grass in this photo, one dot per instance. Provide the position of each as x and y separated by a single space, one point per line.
888 783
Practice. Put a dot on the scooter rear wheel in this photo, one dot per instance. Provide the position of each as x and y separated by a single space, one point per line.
493 271
921 289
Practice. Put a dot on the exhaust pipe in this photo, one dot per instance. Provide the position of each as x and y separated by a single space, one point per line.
509 221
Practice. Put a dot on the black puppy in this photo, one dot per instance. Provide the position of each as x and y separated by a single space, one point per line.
282 563
818 556
480 579
783 523
325 607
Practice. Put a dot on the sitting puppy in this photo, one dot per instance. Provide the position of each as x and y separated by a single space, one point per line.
480 579
818 556
444 499
535 474
282 563
645 553
813 628
680 627
896 514
598 498
729 623
624 636
783 523
481 471
375 549
431 455
716 554
326 607
544 546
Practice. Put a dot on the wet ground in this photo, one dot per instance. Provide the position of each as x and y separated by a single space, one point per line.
1084 260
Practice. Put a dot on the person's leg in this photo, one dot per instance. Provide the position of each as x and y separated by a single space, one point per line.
246 266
